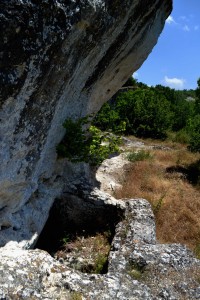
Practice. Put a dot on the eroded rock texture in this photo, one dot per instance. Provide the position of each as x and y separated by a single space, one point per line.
139 268
59 59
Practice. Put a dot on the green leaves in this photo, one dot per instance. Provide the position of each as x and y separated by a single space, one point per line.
141 112
88 144
139 155
193 128
153 112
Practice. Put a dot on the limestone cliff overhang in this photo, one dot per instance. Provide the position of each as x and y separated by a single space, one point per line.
59 59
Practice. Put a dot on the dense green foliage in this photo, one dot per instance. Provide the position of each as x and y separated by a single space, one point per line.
193 124
86 143
193 127
141 112
154 112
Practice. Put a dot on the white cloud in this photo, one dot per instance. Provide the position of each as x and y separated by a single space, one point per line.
170 20
135 75
182 24
183 18
186 28
176 83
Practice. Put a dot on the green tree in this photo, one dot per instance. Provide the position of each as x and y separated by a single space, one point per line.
168 93
193 128
130 82
146 112
107 118
86 143
180 106
197 102
198 89
183 110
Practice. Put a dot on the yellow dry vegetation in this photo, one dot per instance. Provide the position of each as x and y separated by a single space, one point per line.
170 182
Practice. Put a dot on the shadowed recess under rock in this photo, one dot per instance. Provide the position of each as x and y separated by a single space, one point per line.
77 228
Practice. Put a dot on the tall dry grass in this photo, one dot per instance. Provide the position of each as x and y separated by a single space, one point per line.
175 200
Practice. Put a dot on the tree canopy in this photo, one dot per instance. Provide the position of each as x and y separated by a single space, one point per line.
152 112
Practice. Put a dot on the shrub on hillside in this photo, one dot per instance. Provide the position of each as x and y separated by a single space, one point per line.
108 119
86 143
180 136
139 155
193 128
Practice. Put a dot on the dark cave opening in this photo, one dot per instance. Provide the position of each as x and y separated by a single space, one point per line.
79 233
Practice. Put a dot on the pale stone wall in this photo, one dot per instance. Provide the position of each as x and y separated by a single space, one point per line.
59 59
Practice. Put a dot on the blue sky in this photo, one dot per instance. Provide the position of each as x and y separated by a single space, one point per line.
175 60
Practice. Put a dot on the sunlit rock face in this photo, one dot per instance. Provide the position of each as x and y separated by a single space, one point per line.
138 267
59 59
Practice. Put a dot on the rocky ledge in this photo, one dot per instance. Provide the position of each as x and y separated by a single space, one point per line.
138 268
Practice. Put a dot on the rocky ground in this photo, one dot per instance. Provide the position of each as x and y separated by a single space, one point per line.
138 267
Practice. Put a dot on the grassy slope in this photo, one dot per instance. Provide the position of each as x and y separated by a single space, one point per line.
168 182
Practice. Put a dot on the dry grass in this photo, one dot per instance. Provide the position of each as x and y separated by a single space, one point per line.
90 244
93 251
175 200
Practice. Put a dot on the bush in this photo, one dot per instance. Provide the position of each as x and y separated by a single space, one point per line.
75 143
181 137
107 118
101 146
148 114
90 145
141 112
139 155
193 128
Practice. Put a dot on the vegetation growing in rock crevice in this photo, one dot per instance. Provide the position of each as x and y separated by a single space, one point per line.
87 253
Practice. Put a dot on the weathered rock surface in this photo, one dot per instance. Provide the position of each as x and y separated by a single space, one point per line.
108 173
139 268
59 59
62 59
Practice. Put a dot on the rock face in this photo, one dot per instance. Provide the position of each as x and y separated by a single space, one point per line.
59 59
138 269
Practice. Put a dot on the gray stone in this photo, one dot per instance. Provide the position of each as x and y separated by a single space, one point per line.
59 59
139 268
